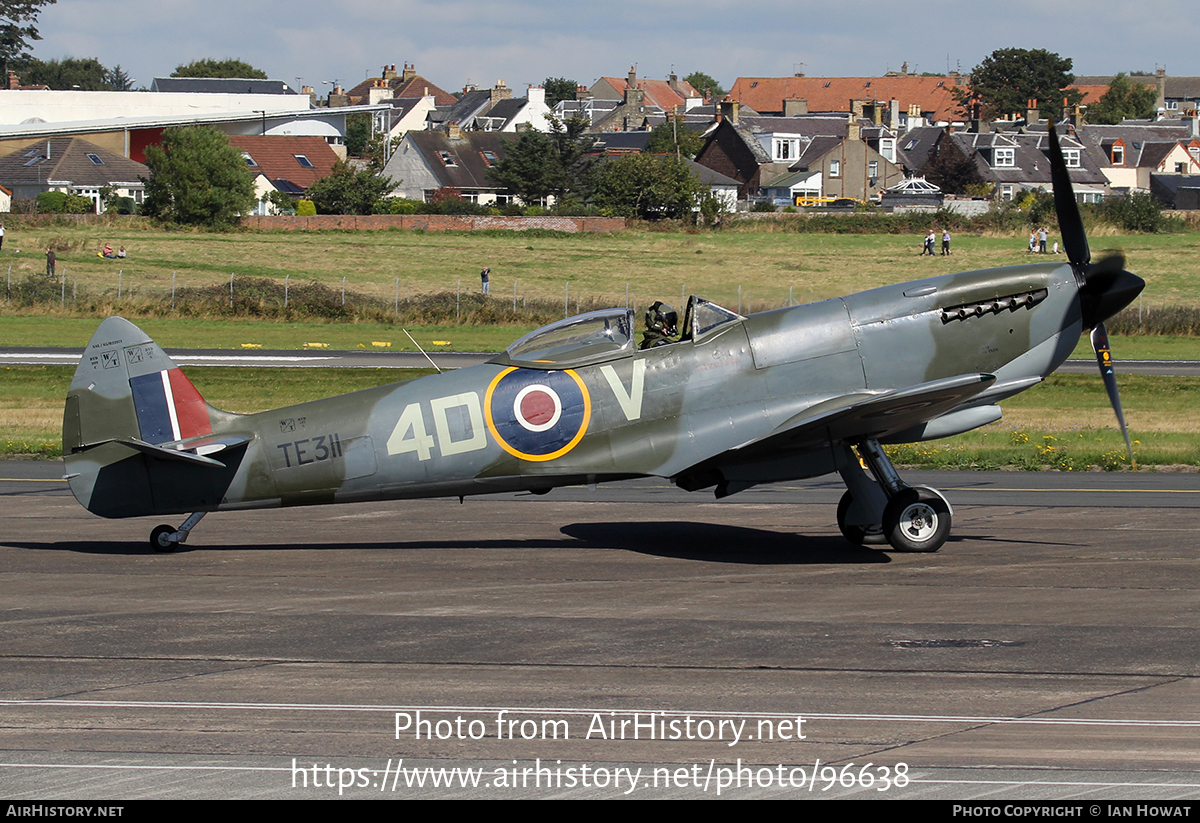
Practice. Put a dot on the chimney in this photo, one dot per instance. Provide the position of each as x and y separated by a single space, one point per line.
795 107
500 92
14 82
856 108
312 94
536 95
582 93
389 73
410 71
729 111
454 131
673 82
1161 103
853 129
1031 112
894 114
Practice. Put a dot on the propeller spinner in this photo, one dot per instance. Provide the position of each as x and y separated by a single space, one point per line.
1104 287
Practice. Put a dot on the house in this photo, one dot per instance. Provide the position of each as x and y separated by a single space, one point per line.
1129 153
426 161
916 98
663 94
73 166
288 165
391 85
495 109
840 156
1016 161
1176 95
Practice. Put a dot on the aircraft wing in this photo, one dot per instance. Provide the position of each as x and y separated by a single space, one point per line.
859 417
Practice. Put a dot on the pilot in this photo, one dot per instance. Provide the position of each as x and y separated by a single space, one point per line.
661 325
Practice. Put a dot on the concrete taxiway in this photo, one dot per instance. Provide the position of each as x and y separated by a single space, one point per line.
586 643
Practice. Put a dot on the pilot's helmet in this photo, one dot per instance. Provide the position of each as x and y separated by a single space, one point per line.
662 318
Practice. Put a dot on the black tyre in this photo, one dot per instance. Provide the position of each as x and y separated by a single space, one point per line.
160 539
916 520
858 535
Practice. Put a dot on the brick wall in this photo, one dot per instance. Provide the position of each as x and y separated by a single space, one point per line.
433 222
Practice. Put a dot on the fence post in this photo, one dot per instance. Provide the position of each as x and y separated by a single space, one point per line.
397 309
343 289
458 301
739 298
514 297
231 290
120 274
626 295
791 302
567 301
62 302
8 288
172 291
286 278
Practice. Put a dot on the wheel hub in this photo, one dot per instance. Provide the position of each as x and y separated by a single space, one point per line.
919 522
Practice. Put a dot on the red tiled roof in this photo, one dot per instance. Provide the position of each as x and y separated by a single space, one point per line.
658 92
766 94
275 157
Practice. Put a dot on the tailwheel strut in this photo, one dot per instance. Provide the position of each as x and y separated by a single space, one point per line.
165 538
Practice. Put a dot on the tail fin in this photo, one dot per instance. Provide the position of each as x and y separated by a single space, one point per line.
126 387
127 410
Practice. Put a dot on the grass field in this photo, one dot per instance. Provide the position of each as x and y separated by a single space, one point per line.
767 266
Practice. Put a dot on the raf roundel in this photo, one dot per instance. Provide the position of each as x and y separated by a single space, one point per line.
537 415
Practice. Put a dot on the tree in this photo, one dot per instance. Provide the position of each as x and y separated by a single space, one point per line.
674 138
229 67
1124 100
358 132
82 73
196 177
537 165
645 186
1008 79
349 191
118 79
559 89
951 170
17 29
706 85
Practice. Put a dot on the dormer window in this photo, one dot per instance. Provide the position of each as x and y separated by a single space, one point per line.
1118 155
785 150
1071 156
249 160
1004 158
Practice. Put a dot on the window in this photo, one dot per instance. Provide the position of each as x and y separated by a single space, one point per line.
1071 156
887 147
1181 168
447 159
835 168
1194 151
873 168
489 157
303 161
249 160
1118 155
1002 157
785 149
1006 192
95 158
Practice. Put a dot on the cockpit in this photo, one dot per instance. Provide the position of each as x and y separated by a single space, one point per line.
606 334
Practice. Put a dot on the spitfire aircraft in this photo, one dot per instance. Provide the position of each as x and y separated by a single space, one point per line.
734 402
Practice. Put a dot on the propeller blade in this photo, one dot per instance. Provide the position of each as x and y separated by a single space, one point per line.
1104 358
1069 221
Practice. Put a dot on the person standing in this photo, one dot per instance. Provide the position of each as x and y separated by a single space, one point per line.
945 242
483 277
51 259
1 236
1042 240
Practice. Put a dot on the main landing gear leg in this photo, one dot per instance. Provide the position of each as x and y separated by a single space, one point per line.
913 519
166 538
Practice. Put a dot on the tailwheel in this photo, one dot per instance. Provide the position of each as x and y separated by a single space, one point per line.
917 519
160 539
858 535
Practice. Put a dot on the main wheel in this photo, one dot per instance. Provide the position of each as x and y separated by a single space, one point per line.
916 520
160 539
858 535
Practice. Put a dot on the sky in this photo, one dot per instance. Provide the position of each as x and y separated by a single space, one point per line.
456 42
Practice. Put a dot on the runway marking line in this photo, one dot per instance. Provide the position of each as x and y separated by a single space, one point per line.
334 707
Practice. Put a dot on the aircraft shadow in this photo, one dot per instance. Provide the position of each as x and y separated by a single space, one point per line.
710 542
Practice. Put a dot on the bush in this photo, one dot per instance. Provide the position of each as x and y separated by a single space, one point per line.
57 202
305 208
1137 212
